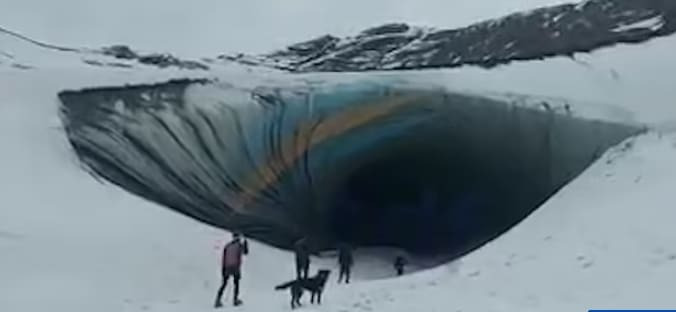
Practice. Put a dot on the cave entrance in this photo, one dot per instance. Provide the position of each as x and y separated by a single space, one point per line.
444 185
417 195
460 179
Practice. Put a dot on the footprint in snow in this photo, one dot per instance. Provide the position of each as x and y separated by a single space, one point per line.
587 264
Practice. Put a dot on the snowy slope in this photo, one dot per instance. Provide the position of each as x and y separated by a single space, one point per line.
21 52
66 241
561 30
70 243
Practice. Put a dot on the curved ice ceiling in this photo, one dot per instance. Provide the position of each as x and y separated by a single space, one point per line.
368 163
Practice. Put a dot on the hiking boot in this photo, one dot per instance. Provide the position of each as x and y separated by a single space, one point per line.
237 302
218 304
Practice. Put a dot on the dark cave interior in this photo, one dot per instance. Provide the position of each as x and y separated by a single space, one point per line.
451 184
428 198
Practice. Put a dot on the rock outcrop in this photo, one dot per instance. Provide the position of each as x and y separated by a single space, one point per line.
562 30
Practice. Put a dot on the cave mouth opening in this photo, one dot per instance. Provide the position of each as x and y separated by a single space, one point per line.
443 174
462 178
422 197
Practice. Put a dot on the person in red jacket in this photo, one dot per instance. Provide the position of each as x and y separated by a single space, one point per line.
231 266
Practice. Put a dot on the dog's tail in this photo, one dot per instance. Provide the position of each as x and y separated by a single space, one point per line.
285 285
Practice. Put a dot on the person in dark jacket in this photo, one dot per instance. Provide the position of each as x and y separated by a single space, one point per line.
231 266
302 251
399 264
345 262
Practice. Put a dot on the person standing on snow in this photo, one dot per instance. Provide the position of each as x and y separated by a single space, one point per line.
231 266
302 252
345 262
399 264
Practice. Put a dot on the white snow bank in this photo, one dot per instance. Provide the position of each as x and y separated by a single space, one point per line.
653 24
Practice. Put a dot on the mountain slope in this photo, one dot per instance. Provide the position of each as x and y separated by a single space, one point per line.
21 52
563 30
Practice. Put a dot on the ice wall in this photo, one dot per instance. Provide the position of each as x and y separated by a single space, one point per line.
369 163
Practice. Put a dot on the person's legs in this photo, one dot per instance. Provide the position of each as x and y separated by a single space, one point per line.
224 283
306 269
299 268
341 274
347 274
236 277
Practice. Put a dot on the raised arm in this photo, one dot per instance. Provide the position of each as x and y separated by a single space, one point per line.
245 247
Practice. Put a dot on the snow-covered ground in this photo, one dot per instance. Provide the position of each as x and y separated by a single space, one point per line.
70 243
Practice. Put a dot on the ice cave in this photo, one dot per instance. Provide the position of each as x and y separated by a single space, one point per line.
369 163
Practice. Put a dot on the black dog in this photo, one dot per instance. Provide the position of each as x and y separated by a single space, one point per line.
314 284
